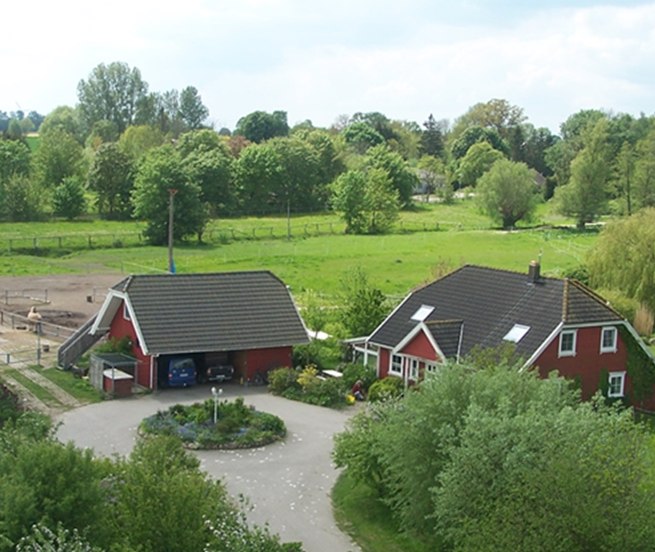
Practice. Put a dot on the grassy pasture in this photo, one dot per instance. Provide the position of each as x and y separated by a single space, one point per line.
316 258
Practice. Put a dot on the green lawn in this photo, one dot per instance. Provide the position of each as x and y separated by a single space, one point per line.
314 259
361 515
34 388
81 389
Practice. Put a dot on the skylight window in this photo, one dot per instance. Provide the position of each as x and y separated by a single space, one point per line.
516 333
422 313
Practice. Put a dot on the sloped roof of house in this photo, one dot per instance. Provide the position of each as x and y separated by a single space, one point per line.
490 303
184 313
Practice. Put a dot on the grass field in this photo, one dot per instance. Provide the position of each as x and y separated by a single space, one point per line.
316 258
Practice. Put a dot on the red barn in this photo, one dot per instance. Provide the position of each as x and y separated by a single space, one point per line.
246 319
554 324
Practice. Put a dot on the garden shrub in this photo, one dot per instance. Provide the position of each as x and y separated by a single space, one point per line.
281 379
355 372
386 388
237 426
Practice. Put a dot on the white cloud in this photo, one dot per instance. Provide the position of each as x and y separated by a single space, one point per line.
321 59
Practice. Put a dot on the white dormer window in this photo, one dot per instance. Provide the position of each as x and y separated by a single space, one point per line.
567 343
422 313
516 333
608 339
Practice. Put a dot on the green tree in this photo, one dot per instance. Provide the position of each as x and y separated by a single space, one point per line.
623 259
162 499
68 198
101 133
432 138
45 482
260 126
431 174
547 480
477 161
212 170
279 174
14 159
585 197
59 156
507 192
367 201
111 177
363 306
64 118
137 140
113 92
22 199
473 135
160 171
361 136
496 114
643 189
14 130
192 110
403 178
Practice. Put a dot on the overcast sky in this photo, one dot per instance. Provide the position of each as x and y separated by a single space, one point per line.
318 59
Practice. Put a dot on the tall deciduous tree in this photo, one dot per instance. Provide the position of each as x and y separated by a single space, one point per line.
192 111
137 140
210 165
366 200
59 156
477 161
14 159
66 119
623 258
162 170
114 92
403 178
364 306
361 136
585 197
259 126
643 190
111 176
508 193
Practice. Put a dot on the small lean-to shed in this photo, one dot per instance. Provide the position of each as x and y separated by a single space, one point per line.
112 373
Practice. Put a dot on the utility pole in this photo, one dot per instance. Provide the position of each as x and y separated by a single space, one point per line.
171 210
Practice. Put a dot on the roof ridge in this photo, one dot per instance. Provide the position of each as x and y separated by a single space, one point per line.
508 271
595 296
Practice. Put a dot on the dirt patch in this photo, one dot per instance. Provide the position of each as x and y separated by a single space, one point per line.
65 299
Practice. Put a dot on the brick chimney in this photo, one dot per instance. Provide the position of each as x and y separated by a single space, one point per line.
534 272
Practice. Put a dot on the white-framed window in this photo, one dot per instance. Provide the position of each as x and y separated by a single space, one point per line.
430 368
567 340
126 312
396 367
413 369
608 339
616 384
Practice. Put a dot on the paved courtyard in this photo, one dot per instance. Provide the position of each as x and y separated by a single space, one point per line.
288 484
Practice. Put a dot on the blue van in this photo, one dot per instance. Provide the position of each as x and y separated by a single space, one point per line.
181 372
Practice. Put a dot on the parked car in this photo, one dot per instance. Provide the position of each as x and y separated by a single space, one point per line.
181 372
221 372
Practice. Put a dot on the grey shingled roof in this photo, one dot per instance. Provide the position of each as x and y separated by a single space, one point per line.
490 302
183 313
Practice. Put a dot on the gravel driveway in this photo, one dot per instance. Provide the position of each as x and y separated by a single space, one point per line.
287 484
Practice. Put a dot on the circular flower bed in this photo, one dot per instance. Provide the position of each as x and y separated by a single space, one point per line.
237 425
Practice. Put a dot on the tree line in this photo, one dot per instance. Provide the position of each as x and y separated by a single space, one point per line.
120 150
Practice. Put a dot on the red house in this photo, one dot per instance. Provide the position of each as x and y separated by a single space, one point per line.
246 319
554 324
